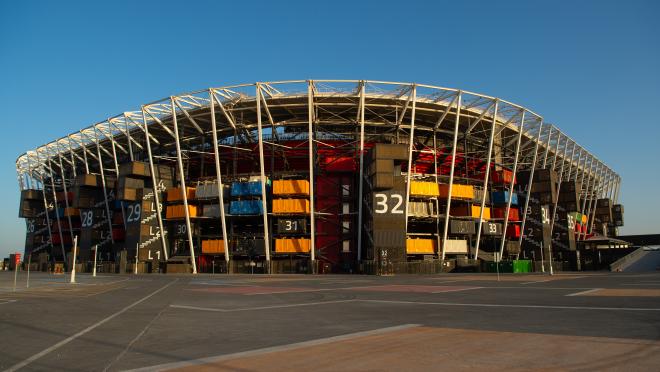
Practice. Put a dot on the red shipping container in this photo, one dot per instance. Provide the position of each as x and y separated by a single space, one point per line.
118 234
339 164
514 213
503 176
513 231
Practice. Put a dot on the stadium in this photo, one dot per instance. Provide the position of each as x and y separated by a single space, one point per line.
320 176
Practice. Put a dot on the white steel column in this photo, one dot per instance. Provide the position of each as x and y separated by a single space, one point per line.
57 216
66 194
156 186
43 192
489 159
410 152
556 201
361 173
128 138
216 153
451 173
105 190
547 146
184 193
310 138
529 184
594 205
263 177
513 179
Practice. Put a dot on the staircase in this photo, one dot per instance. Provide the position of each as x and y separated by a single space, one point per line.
643 259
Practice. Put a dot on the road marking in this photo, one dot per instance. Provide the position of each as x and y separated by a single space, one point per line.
297 345
458 290
514 306
214 309
538 281
38 355
6 301
134 340
584 292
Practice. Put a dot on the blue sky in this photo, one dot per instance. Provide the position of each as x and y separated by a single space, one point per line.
590 67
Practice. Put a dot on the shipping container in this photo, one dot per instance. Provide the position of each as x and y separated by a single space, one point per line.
178 211
291 187
134 168
246 207
502 197
469 211
252 188
420 246
213 246
458 191
291 206
176 194
301 245
454 246
500 212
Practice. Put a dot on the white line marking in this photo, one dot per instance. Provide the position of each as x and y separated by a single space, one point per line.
134 340
459 290
4 302
257 308
297 345
38 355
538 281
584 292
644 284
514 306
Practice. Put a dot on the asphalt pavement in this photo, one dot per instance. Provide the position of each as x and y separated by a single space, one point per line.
571 321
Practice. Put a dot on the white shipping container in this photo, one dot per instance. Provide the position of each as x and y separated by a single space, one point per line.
456 246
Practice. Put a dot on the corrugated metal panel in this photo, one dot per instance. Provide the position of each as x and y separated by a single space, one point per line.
291 187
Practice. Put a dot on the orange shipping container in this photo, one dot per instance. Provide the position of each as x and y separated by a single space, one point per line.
458 191
177 211
291 187
420 188
291 206
176 193
71 212
212 246
293 245
420 246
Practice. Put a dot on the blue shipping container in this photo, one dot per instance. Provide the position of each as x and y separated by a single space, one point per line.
246 189
502 197
246 207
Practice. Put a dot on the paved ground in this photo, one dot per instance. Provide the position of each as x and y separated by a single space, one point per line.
442 322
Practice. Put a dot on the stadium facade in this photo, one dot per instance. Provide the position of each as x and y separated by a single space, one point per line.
319 176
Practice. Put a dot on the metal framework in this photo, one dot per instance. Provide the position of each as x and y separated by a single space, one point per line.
501 133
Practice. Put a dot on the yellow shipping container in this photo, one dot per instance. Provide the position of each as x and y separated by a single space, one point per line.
175 193
419 188
291 187
291 206
476 211
177 211
293 245
458 191
213 246
420 246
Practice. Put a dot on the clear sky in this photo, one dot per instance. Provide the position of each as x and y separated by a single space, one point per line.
590 67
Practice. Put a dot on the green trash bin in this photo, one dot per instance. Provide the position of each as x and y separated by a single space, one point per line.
506 266
522 266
